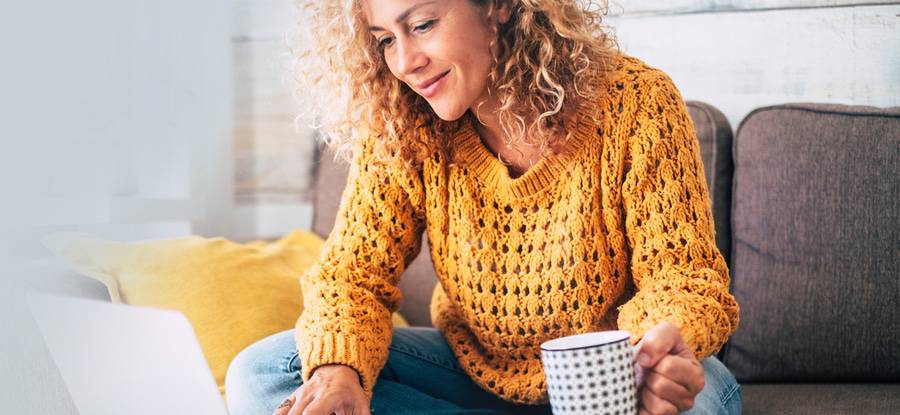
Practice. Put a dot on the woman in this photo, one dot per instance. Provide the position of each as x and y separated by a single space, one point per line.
561 189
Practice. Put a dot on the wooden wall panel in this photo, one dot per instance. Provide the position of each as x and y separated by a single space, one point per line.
273 158
742 60
635 7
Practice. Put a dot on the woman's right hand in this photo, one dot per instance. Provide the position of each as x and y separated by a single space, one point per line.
332 389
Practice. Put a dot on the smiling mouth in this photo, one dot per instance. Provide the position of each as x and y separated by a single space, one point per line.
431 82
430 88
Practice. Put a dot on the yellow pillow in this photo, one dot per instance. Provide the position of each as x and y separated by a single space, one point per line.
233 294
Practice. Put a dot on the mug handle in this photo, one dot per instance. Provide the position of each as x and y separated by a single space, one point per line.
638 380
634 352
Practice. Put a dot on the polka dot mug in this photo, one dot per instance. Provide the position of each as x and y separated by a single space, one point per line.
591 373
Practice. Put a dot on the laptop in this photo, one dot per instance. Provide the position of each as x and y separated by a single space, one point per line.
121 359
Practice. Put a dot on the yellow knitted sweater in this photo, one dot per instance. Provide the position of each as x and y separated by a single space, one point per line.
614 232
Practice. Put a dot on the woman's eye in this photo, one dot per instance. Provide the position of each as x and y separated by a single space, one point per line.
385 42
424 26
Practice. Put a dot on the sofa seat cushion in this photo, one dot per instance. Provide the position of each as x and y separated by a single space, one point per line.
821 398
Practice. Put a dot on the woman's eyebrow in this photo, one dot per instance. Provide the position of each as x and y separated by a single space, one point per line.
403 15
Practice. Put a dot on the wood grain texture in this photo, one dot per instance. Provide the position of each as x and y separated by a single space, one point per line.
739 61
272 157
261 19
638 7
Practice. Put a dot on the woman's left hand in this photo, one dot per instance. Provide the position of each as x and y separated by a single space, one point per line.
669 374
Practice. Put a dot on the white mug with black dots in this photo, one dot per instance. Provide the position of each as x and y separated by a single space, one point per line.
591 373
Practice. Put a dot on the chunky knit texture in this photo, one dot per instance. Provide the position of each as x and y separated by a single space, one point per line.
614 232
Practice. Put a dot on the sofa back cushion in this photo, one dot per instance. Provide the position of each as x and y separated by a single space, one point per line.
715 137
418 280
815 258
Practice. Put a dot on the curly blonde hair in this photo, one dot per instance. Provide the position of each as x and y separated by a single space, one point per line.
546 55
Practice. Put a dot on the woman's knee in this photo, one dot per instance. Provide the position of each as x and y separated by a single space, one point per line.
262 375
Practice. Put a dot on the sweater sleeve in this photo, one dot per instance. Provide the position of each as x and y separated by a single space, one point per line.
679 274
351 291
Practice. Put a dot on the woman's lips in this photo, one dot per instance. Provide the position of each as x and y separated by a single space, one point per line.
431 88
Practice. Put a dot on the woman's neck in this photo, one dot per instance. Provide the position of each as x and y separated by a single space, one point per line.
487 124
519 156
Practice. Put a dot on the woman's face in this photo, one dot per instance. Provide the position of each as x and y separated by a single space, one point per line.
439 48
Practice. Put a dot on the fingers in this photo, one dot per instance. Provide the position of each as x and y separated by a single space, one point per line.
325 407
358 409
687 373
326 392
304 397
285 406
658 342
670 391
319 407
675 380
652 404
305 402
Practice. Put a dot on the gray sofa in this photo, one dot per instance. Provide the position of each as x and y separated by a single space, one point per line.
805 201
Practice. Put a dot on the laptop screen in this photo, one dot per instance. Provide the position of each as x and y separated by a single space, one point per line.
117 358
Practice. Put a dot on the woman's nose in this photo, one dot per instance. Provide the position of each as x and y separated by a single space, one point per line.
409 57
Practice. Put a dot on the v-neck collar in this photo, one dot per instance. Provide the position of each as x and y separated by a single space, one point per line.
483 163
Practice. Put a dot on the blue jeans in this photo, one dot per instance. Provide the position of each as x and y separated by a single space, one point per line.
421 376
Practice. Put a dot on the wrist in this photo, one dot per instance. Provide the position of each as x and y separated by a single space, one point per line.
338 371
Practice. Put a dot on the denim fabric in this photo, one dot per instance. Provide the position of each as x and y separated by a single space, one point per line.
421 376
721 394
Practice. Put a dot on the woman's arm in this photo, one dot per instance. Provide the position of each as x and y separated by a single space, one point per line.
680 275
351 291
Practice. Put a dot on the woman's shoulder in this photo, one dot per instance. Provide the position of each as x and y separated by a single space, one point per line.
634 71
630 82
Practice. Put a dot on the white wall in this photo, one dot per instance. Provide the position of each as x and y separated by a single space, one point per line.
742 54
117 120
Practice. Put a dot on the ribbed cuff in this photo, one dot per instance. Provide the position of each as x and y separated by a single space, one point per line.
704 323
328 348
